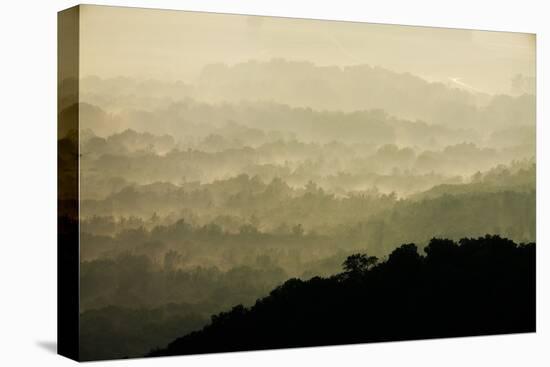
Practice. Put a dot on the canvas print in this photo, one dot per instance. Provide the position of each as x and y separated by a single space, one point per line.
235 182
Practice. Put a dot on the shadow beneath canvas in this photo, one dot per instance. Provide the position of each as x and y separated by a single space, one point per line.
50 346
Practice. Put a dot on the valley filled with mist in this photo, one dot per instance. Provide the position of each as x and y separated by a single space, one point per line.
195 199
226 162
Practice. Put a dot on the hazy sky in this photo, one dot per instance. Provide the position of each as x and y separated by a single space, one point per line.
165 44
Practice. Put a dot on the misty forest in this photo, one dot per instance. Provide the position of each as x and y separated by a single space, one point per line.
277 202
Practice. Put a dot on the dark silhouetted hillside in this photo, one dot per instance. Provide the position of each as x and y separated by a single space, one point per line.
474 287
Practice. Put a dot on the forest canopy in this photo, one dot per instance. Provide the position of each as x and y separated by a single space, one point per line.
254 184
473 287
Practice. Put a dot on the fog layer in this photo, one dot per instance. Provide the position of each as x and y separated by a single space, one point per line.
221 155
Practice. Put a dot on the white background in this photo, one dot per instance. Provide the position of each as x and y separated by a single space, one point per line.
28 183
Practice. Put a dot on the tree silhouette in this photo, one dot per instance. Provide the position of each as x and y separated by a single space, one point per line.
474 287
359 263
